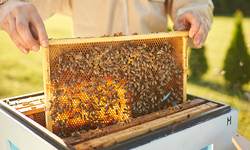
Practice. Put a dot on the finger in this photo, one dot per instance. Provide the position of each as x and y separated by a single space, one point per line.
20 46
195 25
180 25
204 37
200 36
33 32
191 19
15 37
206 22
23 29
13 32
39 27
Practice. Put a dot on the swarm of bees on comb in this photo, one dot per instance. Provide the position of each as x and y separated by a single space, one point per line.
112 85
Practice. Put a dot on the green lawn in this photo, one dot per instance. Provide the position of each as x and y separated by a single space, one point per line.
22 74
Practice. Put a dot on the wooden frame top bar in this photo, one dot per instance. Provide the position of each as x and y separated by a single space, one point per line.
116 38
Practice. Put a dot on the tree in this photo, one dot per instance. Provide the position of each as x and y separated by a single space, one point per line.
197 63
237 61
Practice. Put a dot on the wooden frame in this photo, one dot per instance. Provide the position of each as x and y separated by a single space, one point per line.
132 132
54 42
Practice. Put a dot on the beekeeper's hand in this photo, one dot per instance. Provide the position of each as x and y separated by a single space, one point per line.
196 24
24 25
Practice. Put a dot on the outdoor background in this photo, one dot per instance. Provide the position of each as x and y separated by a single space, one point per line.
23 74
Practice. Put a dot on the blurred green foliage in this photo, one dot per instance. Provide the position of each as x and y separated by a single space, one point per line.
197 63
237 62
228 7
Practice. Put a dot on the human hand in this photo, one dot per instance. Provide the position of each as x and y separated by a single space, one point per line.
196 24
24 25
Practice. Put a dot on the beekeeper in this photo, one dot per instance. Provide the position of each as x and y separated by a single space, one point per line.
23 20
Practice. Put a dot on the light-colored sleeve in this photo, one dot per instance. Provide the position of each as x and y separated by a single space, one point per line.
178 7
47 8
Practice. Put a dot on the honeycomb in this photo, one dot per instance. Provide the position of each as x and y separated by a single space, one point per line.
94 82
40 118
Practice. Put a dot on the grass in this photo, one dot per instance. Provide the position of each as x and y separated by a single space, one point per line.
22 74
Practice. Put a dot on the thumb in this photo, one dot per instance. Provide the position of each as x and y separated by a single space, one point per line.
180 25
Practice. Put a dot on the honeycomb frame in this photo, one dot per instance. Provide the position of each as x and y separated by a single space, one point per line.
60 50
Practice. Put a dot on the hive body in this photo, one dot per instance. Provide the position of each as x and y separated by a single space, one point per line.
94 82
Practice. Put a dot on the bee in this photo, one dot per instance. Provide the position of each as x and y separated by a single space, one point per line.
178 82
53 118
87 56
129 119
78 106
83 131
112 88
71 108
97 109
126 109
32 108
79 115
121 123
119 103
106 109
180 88
100 120
94 117
8 102
57 124
131 42
100 105
89 117
104 101
75 134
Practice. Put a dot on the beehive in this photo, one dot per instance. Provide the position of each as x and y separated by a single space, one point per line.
94 82
31 106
